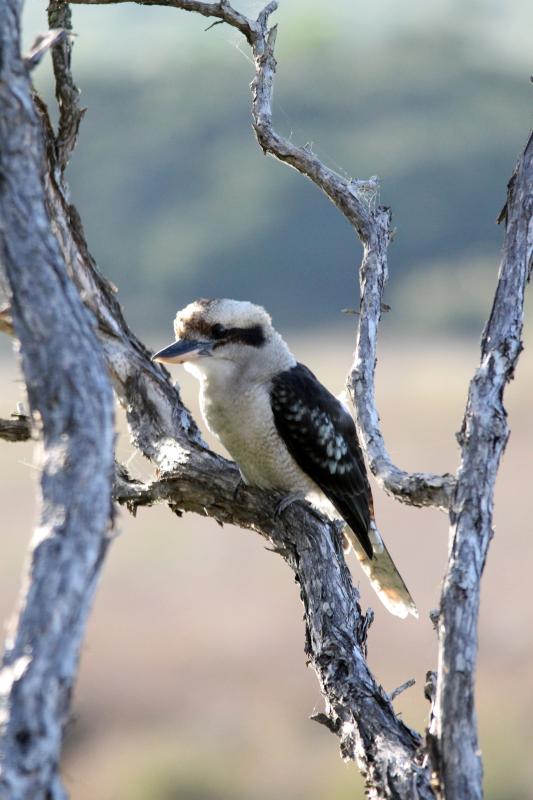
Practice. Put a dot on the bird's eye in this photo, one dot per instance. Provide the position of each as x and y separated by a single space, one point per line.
218 331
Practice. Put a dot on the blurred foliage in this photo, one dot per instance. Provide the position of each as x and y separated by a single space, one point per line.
178 201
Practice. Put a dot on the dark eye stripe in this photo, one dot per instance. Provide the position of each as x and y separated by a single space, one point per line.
253 336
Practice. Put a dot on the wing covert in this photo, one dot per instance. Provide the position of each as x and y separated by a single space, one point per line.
321 437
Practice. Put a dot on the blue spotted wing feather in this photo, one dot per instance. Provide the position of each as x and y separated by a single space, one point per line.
321 437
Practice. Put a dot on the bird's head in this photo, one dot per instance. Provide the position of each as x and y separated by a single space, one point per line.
224 335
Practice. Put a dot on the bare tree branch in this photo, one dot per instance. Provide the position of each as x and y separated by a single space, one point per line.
221 10
483 437
70 396
420 489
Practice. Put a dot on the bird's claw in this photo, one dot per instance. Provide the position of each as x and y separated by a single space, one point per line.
285 502
238 487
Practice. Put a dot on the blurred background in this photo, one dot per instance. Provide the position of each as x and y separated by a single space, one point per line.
193 683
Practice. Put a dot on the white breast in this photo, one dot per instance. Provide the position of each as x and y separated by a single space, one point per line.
241 417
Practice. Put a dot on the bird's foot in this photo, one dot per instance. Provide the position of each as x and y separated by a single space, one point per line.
287 501
239 485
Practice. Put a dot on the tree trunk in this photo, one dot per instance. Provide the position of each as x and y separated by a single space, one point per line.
71 404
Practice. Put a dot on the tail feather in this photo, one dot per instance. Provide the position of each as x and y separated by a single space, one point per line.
383 575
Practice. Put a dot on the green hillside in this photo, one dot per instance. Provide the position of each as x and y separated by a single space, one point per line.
178 200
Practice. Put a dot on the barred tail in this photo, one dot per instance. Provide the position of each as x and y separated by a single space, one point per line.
383 575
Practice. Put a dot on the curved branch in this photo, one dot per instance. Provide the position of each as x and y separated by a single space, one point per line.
221 10
419 489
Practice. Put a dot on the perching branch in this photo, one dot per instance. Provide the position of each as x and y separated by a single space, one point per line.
358 710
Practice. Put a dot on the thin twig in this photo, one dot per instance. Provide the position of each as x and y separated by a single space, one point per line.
402 688
214 24
373 227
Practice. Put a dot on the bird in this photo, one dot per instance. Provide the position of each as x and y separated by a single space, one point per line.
286 431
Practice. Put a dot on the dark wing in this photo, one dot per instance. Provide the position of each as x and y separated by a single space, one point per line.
320 435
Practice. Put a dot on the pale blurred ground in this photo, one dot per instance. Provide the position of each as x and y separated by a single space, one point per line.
193 681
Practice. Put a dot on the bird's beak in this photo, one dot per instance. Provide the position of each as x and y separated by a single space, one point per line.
182 351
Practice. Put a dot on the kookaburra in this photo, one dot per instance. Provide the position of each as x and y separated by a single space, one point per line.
284 429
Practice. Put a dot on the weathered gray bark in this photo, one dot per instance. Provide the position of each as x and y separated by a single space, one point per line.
71 401
191 478
483 436
419 489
